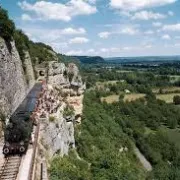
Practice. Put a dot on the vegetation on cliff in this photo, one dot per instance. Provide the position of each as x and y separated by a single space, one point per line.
7 27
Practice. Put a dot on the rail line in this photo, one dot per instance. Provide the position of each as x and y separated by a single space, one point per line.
10 168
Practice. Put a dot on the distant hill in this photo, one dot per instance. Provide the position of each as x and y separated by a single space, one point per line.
142 59
90 59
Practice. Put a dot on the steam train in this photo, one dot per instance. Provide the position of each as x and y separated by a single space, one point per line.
17 133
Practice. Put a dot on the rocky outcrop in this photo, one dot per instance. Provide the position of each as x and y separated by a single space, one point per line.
13 86
16 79
29 72
56 74
58 136
61 107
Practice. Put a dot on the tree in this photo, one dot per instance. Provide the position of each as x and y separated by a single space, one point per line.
176 100
7 26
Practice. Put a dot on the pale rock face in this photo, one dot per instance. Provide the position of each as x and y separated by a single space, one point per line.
56 74
13 85
56 68
29 69
58 136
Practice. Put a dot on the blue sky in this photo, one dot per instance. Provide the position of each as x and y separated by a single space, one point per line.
108 28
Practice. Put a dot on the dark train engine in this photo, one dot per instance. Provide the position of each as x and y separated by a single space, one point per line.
17 135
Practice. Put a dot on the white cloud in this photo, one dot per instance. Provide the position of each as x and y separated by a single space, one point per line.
147 15
48 35
129 30
104 35
157 24
166 37
26 17
171 27
104 50
57 11
74 52
148 46
149 32
72 31
134 5
78 40
170 13
90 51
126 48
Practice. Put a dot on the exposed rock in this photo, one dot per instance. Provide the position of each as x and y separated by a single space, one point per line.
29 69
56 74
58 136
13 86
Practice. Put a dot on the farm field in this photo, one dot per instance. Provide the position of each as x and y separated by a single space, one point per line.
133 97
107 82
168 98
128 97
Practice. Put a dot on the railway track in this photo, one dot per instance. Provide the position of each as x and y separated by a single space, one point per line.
10 168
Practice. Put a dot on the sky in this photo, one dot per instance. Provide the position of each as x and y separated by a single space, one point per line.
107 28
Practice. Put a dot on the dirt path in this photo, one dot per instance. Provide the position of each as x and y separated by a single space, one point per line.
146 164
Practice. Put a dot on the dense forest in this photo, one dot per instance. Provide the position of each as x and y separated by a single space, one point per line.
150 124
98 142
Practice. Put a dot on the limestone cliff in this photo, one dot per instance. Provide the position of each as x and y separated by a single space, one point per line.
61 110
60 107
29 72
13 85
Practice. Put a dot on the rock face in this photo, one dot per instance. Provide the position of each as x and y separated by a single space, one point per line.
58 136
13 85
13 80
63 86
56 73
29 70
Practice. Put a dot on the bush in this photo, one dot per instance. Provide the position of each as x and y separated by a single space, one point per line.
68 111
7 26
176 100
52 118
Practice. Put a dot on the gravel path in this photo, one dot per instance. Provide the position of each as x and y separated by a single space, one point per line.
142 159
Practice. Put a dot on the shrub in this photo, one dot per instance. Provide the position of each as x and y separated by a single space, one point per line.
52 118
68 111
176 100
7 26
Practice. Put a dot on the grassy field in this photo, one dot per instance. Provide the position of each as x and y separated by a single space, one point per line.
133 97
128 97
168 98
102 84
110 99
174 78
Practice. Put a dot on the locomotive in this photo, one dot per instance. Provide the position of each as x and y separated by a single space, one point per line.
18 131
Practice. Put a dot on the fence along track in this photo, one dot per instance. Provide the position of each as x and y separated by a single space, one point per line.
10 168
